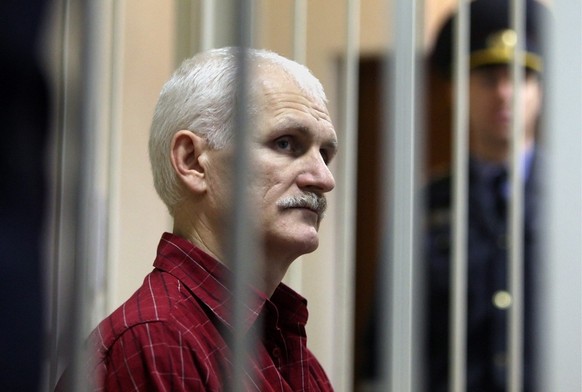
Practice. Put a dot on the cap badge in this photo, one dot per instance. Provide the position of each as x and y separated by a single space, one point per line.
504 41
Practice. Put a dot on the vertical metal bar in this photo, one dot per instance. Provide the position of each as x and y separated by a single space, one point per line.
560 300
344 285
244 256
57 218
458 321
115 139
300 31
80 307
91 244
294 275
208 25
515 238
399 214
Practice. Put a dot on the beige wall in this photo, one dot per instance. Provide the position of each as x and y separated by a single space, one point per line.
138 217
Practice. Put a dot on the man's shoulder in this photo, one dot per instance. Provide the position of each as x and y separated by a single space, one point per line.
164 324
162 300
438 190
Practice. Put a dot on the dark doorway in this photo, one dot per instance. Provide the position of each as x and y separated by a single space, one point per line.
370 125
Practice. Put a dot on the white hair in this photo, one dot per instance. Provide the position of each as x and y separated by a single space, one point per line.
200 97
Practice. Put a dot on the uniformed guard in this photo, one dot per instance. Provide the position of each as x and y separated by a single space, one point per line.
492 49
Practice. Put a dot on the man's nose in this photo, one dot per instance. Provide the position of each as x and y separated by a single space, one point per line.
316 175
505 88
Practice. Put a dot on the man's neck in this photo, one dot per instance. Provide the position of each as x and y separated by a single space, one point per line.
264 275
497 155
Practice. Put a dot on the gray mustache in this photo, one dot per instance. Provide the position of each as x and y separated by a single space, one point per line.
306 200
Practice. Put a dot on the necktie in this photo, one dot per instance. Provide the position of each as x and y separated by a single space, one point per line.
500 193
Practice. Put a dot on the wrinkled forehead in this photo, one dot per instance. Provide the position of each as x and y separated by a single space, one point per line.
283 105
275 83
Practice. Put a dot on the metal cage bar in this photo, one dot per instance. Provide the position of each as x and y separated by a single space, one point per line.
516 221
207 24
399 185
300 31
344 285
560 299
244 253
458 316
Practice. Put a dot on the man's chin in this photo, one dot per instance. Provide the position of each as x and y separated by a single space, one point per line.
311 242
299 244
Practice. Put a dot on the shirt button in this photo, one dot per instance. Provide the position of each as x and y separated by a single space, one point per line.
276 352
502 299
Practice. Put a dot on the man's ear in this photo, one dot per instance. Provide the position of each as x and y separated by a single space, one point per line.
186 149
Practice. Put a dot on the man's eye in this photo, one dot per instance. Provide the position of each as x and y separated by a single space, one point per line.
283 143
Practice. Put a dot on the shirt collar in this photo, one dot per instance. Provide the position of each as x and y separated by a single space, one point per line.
486 170
208 279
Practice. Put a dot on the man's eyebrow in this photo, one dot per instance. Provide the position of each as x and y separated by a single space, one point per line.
292 124
289 123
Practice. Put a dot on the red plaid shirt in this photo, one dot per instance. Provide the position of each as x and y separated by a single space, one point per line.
170 335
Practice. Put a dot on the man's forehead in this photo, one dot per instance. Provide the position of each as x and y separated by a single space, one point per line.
280 96
278 88
270 78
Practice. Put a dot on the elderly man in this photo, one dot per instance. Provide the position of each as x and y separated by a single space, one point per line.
174 332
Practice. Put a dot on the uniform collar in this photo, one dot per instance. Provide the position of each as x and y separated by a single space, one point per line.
486 170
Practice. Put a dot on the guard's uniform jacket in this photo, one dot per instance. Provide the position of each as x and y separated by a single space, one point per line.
488 296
